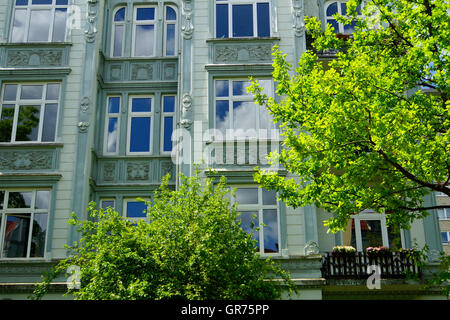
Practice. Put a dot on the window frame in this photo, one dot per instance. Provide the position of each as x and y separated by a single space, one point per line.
136 22
132 114
113 31
18 102
108 116
166 23
101 200
341 27
448 237
124 210
230 4
446 214
5 211
163 128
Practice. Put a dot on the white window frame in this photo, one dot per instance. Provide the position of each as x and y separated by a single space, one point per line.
445 215
132 114
163 116
113 32
341 29
18 102
31 211
144 22
166 23
255 16
30 7
106 131
125 202
259 207
448 237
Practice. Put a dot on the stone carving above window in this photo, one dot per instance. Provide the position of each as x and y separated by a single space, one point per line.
142 72
243 53
138 171
26 160
38 58
109 171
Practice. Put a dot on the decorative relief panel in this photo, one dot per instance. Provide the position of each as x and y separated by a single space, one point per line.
169 71
138 170
109 171
38 58
26 160
168 167
142 71
243 53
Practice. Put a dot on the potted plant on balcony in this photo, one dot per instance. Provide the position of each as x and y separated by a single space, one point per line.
377 252
343 251
407 253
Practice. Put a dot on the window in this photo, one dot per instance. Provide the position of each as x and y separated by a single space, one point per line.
369 229
144 40
112 125
39 21
168 122
106 203
339 7
237 114
140 117
118 32
242 18
23 223
445 236
259 207
444 214
170 27
134 209
28 112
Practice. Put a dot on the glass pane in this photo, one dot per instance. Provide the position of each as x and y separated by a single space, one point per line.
108 203
269 197
21 2
444 237
16 236
343 8
240 88
222 88
141 105
136 209
249 221
168 129
19 200
145 14
118 41
265 119
247 196
120 15
18 32
332 9
114 105
61 2
169 104
31 92
42 1
39 25
171 14
222 116
170 40
38 235
28 123
10 92
222 21
263 20
144 40
243 20
371 233
52 91
350 28
6 122
140 134
2 199
42 199
59 26
112 135
244 118
50 119
334 24
270 230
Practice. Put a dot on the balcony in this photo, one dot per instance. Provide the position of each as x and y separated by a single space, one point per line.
392 264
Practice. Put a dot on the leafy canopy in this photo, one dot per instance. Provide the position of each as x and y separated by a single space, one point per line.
369 129
190 247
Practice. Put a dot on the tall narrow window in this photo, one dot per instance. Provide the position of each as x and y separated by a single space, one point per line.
118 32
170 23
28 112
112 125
39 21
339 7
23 223
168 122
139 124
144 32
241 18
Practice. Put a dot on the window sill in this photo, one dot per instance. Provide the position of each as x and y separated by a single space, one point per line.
28 44
31 144
256 39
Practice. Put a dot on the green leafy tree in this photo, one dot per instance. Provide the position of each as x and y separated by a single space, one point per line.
369 129
190 247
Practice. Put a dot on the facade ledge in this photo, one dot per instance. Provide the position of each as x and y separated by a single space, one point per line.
244 39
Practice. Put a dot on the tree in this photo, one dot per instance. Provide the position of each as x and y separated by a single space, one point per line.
371 128
190 247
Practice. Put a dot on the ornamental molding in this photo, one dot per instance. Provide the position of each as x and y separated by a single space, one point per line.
298 18
243 53
138 171
91 29
188 28
142 71
37 57
83 126
186 111
84 105
109 171
311 248
26 160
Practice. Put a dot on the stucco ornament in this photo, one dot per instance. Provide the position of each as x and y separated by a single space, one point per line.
311 248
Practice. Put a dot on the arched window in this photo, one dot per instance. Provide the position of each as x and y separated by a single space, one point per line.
170 27
339 7
118 32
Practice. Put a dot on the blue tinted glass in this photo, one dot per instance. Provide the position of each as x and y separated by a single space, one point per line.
112 135
61 2
249 221
270 230
222 88
135 209
242 20
332 9
240 88
141 105
334 24
349 28
222 21
263 20
169 104
444 237
49 125
168 129
10 92
41 1
140 134
170 14
343 9
120 15
222 116
170 40
21 2
145 14
107 203
114 105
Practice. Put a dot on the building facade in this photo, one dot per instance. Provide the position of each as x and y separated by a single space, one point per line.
101 99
